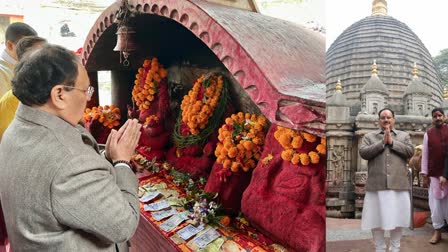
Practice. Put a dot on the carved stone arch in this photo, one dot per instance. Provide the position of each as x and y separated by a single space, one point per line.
284 61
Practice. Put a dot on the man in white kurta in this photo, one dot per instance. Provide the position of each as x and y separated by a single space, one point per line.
435 143
387 204
8 56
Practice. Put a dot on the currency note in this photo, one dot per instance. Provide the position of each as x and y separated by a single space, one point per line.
149 196
171 223
189 231
160 215
156 206
206 237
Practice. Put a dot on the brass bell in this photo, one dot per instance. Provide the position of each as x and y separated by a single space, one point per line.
125 39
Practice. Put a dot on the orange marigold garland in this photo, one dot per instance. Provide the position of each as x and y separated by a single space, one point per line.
108 116
202 109
200 103
146 83
151 120
291 140
240 141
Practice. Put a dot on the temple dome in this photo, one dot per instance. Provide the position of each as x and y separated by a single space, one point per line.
416 87
374 84
394 46
338 98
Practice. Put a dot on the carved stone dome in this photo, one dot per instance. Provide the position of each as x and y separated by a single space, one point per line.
394 46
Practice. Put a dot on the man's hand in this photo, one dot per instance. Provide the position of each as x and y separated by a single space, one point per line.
425 181
121 144
387 136
442 182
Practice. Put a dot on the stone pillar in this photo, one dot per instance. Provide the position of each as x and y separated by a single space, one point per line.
365 124
340 191
360 191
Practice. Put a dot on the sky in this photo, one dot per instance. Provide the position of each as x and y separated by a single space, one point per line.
427 19
296 11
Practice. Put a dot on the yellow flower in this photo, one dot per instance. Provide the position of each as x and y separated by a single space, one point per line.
314 157
304 159
321 149
284 136
295 158
108 116
243 148
297 142
192 106
309 138
287 155
147 90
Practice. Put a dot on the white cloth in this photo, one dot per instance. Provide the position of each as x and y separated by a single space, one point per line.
439 207
438 192
6 71
386 209
395 237
4 55
378 240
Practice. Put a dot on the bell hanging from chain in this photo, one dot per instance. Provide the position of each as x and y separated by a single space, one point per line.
125 42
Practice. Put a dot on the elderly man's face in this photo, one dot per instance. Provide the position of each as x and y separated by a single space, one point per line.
387 119
78 97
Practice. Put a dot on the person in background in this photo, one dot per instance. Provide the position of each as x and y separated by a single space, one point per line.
58 193
8 57
435 144
8 102
387 204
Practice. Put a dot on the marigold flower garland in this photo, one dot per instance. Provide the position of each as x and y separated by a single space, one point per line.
152 119
200 103
146 83
108 116
202 109
240 141
291 140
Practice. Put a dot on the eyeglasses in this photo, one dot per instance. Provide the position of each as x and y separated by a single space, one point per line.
89 91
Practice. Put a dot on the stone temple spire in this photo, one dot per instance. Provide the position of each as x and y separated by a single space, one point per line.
415 70
445 100
339 86
338 98
374 68
379 7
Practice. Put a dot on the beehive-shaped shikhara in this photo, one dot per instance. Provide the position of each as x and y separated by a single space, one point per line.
394 46
278 64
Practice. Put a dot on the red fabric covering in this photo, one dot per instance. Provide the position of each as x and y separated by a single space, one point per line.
155 142
229 186
287 202
98 131
420 219
3 234
150 153
152 131
194 150
155 134
195 166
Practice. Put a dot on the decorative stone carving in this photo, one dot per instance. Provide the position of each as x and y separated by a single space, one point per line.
360 178
338 164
